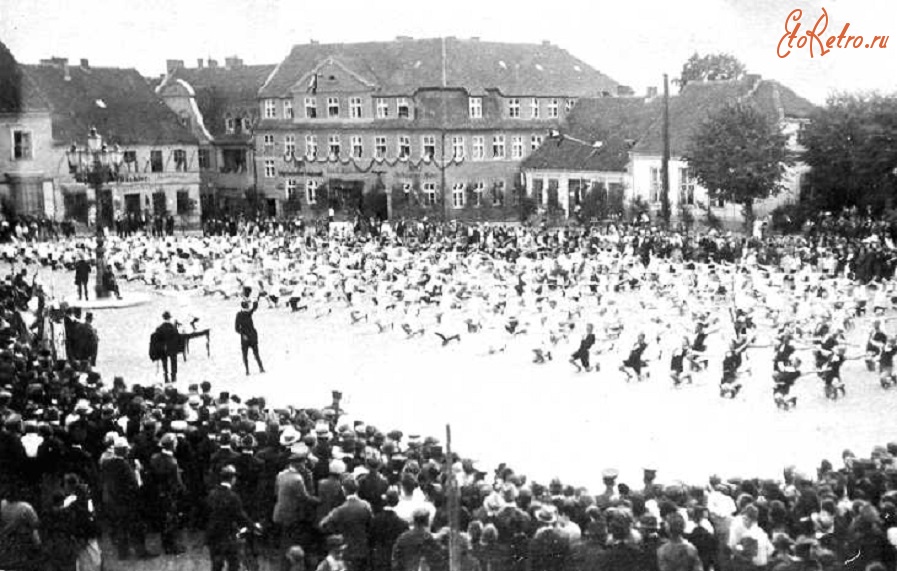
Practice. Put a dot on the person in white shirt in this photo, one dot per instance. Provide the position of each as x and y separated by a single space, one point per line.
748 542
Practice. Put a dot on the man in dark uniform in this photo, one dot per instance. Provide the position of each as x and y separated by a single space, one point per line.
226 517
249 337
168 340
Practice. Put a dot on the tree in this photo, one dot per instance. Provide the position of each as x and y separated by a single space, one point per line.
739 155
710 67
851 148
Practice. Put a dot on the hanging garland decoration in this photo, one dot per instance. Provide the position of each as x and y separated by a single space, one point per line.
358 165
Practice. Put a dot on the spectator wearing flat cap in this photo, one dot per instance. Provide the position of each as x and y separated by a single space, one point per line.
295 508
121 486
352 520
168 487
226 517
386 527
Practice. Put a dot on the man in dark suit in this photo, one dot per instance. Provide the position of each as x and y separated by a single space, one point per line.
82 275
330 490
386 527
166 475
226 517
169 342
352 520
294 504
249 337
121 489
416 545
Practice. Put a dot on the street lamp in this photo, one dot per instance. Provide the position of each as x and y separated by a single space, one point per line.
94 165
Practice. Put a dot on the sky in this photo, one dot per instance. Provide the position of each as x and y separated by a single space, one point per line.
633 41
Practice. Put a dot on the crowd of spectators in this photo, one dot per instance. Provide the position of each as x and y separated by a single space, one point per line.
82 457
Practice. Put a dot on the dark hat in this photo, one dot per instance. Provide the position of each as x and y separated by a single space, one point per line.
166 314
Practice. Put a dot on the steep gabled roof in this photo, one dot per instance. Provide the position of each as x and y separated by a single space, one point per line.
118 102
698 100
402 67
18 94
220 91
615 121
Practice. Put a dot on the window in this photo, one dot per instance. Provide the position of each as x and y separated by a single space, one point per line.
289 145
156 164
404 108
514 108
568 105
270 172
270 109
382 108
686 186
475 105
478 190
333 146
311 108
234 160
479 148
655 184
247 124
183 202
333 106
380 147
229 125
292 187
552 108
535 142
311 191
355 108
21 146
357 146
517 147
269 144
458 147
204 159
404 146
458 195
311 146
538 191
428 144
534 108
429 193
498 193
180 160
498 147
287 108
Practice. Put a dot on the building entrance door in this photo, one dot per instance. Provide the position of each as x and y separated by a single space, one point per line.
132 203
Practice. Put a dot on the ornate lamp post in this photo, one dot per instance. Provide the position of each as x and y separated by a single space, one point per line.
94 165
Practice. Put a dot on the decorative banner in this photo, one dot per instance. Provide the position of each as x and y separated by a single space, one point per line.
361 168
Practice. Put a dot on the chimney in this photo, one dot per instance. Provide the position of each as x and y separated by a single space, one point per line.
65 70
85 64
233 62
651 92
624 91
313 42
752 78
200 63
213 64
55 62
474 38
173 65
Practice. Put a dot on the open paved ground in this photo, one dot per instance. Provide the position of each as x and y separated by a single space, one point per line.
544 420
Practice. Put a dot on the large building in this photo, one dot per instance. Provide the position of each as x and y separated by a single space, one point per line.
412 127
220 105
26 157
160 170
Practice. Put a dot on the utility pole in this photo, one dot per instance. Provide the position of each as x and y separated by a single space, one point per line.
453 502
665 161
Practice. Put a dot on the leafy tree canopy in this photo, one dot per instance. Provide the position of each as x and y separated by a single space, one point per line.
851 148
739 154
710 67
